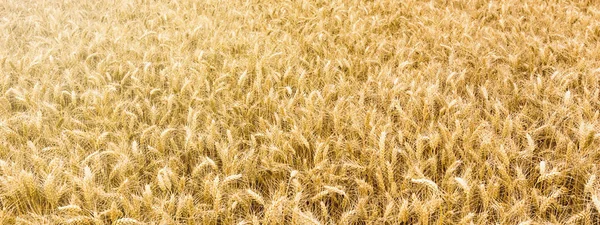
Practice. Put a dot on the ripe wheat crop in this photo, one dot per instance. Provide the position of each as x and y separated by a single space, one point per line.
299 112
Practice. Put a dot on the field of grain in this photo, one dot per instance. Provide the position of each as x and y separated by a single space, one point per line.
299 112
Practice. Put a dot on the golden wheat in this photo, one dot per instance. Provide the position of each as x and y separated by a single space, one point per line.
299 112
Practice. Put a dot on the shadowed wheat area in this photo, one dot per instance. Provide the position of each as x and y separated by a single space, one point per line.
299 112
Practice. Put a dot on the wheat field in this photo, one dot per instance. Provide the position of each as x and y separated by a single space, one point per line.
299 112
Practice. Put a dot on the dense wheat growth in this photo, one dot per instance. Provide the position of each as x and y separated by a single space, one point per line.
299 112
